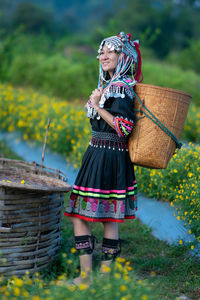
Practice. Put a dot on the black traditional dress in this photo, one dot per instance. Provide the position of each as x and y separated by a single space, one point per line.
105 188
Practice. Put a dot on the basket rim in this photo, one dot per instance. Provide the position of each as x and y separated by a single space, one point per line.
163 88
63 187
22 186
35 165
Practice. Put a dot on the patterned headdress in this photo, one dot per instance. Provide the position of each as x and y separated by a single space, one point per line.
129 54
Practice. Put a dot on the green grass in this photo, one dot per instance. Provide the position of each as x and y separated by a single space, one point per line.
170 269
6 152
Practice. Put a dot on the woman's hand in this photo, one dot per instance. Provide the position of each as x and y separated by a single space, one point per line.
96 96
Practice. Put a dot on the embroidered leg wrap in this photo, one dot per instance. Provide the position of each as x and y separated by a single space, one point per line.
110 249
84 244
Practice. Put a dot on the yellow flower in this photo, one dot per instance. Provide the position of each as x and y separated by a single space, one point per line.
29 281
73 250
22 181
18 282
122 288
144 297
11 128
106 269
192 247
61 277
35 298
117 275
178 217
25 293
83 274
69 261
40 285
83 286
2 289
16 291
7 293
180 242
71 287
120 259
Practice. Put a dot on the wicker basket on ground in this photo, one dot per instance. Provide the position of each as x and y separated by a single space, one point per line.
31 202
161 114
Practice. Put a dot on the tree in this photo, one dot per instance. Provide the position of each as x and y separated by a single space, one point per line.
162 25
34 18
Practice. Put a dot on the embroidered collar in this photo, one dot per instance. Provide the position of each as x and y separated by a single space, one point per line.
119 88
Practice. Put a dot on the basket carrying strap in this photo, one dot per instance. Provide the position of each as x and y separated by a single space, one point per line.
156 121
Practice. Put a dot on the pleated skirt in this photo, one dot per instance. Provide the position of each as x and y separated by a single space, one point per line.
105 189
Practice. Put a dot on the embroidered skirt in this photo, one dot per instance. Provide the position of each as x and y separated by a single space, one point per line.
105 188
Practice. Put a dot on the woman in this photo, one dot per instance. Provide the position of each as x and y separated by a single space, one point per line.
105 188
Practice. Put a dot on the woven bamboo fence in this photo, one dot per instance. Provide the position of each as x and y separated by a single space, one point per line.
31 202
161 114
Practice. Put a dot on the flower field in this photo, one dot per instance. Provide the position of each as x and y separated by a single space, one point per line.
191 130
179 183
120 282
28 111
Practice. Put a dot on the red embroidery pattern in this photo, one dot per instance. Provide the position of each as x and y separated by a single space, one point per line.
123 127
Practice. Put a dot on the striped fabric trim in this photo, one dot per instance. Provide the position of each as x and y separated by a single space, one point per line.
98 220
95 195
117 127
129 84
105 191
124 130
123 127
104 194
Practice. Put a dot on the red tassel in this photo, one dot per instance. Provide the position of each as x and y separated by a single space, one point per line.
129 36
138 77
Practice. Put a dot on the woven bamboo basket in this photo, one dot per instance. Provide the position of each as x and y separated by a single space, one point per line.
31 202
149 145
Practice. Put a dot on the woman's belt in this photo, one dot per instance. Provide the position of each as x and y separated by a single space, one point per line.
108 140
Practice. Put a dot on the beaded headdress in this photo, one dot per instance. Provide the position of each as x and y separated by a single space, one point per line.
120 83
129 54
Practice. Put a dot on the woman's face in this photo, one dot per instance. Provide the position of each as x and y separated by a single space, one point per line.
108 60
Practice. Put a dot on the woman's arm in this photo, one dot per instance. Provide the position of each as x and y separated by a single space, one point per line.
108 117
95 98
